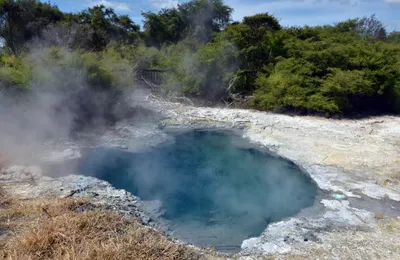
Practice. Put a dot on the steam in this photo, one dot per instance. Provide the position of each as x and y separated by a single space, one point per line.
28 122
210 185
60 101
57 103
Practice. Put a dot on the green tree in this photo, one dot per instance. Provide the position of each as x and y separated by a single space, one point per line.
263 20
205 17
197 19
165 27
394 37
107 26
22 20
331 71
260 41
369 27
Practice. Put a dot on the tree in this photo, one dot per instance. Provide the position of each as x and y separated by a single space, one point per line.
366 27
165 27
258 39
22 20
394 37
264 20
197 19
372 27
107 26
332 70
204 17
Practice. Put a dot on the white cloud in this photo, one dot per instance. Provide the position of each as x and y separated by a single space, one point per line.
159 4
117 6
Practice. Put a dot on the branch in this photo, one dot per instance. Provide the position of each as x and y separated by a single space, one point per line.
231 83
151 85
186 99
227 103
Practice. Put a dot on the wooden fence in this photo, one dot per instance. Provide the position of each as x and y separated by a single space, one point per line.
152 76
158 77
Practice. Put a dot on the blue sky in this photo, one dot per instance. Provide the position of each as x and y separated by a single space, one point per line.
290 12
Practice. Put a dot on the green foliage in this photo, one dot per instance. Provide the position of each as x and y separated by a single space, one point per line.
101 71
13 72
350 68
369 27
333 73
196 19
106 26
259 42
394 37
203 71
146 57
262 20
165 27
205 17
21 20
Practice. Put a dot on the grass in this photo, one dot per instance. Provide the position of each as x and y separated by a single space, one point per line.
49 228
390 225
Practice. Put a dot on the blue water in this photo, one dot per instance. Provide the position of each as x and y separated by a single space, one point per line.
214 188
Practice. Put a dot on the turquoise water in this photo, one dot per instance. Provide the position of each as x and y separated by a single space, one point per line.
214 188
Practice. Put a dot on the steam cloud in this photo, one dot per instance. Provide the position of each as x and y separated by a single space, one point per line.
52 109
214 188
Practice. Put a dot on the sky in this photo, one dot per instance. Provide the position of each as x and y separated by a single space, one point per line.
290 12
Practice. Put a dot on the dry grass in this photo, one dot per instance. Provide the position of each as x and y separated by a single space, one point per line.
3 197
390 225
75 229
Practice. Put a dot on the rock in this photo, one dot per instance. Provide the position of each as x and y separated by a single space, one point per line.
348 158
340 156
20 173
337 154
250 243
96 191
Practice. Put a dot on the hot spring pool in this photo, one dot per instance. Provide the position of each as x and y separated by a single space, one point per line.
214 188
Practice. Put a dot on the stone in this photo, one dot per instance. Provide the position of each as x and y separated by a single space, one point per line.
346 157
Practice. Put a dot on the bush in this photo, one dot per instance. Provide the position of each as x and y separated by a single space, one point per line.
352 67
204 71
84 87
13 72
324 72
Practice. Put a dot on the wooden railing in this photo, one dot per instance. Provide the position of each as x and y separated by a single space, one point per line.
153 76
158 76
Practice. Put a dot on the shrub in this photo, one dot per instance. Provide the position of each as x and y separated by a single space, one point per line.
204 71
13 72
332 75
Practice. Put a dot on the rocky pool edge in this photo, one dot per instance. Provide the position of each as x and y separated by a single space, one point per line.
292 235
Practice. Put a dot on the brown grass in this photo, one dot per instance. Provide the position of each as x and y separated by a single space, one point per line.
76 229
